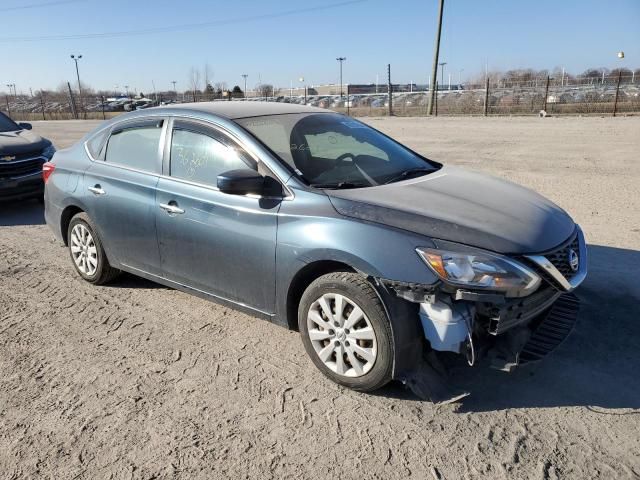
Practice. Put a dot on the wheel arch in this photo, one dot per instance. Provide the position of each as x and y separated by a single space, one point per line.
65 219
303 278
406 330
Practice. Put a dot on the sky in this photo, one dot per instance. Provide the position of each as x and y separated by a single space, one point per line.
279 42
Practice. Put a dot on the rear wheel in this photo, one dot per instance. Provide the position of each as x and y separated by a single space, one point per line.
87 253
346 332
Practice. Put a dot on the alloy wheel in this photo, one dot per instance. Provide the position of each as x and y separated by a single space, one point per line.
83 250
342 335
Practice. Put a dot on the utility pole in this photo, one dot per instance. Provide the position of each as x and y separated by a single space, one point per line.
546 94
390 89
75 59
486 96
436 53
341 59
72 102
244 75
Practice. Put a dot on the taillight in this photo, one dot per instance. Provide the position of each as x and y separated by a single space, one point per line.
47 170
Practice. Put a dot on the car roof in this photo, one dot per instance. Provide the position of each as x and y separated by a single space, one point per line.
240 109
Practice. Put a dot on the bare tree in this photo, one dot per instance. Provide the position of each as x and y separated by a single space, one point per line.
194 81
267 90
207 75
221 86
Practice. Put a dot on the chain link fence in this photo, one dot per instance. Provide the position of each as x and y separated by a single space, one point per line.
547 96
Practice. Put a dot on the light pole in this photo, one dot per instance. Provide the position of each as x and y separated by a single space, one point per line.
175 92
244 75
14 89
301 79
75 58
442 64
126 89
341 59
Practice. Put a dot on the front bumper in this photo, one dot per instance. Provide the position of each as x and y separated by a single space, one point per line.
534 341
26 186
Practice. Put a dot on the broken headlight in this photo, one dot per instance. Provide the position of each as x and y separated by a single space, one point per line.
476 269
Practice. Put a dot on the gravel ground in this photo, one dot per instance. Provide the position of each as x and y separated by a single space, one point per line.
134 380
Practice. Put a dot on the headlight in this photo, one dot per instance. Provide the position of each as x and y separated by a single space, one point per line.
49 151
481 270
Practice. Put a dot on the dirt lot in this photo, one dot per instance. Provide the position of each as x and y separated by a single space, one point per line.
135 380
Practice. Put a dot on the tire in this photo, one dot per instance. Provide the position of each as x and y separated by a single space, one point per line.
356 339
95 268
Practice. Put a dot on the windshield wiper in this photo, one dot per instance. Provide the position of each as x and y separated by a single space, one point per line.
404 174
339 185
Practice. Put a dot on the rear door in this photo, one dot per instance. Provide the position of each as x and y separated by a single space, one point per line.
218 243
121 190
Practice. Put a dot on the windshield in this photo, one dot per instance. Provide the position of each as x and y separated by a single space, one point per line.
7 125
333 151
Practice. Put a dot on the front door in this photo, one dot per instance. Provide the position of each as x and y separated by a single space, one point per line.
218 243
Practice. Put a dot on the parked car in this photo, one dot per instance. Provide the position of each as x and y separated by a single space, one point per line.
319 223
22 154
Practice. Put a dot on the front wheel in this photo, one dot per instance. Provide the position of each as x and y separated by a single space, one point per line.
346 332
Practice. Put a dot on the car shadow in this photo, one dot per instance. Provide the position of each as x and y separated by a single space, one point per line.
128 280
24 212
596 367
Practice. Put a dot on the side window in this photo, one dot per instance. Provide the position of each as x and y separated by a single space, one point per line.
95 144
200 157
135 147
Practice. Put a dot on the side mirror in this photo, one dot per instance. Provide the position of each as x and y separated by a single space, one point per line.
245 181
25 125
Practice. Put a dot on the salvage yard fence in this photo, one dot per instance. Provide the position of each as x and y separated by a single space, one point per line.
543 96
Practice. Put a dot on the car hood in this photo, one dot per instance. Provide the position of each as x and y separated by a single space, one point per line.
21 142
462 206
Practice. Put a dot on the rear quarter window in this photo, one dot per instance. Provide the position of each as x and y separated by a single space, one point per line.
96 143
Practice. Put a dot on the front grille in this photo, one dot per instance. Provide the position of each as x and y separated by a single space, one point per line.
24 155
553 329
560 257
20 169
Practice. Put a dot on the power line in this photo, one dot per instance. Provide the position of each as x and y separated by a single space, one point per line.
39 5
173 28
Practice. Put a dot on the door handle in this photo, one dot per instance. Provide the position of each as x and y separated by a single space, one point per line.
169 208
97 190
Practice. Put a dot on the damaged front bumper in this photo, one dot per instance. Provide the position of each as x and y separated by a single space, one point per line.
509 331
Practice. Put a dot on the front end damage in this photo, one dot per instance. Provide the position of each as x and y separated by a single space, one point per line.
493 327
